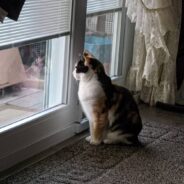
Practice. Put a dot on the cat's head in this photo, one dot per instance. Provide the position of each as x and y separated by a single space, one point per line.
87 67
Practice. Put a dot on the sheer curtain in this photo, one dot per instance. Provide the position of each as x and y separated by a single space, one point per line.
153 70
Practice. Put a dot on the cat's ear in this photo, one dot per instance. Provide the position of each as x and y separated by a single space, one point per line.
87 57
87 54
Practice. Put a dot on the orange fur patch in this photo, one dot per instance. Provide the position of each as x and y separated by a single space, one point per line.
100 123
87 58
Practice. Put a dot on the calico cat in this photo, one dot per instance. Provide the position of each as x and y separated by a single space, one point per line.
111 110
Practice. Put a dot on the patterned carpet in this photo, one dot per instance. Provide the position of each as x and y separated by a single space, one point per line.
159 161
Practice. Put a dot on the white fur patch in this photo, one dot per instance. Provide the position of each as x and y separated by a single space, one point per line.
89 92
76 76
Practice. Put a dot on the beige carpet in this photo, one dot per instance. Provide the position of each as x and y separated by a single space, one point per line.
159 161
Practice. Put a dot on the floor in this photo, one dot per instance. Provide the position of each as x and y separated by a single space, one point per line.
164 117
160 160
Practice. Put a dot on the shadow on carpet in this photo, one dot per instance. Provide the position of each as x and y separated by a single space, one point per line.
159 160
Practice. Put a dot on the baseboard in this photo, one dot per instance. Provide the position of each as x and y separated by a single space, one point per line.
174 108
36 148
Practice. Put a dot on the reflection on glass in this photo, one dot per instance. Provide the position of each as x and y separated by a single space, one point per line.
33 59
31 79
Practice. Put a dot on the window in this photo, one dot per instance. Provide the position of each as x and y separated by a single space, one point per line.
34 73
38 102
35 81
103 33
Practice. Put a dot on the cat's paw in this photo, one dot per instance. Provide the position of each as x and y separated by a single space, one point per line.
95 142
91 141
88 139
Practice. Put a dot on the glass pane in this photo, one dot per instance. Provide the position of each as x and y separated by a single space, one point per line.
101 39
32 79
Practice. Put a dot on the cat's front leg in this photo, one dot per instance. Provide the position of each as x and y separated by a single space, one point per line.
97 130
93 138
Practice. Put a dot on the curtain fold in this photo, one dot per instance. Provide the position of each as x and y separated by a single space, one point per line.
153 70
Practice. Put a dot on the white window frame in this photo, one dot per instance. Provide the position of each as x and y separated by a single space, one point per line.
118 16
28 137
56 69
124 59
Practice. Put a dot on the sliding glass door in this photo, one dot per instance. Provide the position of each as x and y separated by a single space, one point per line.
38 95
34 60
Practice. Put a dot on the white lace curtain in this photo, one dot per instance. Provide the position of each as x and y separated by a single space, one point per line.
153 69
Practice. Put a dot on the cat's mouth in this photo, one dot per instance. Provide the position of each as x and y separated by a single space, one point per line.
76 75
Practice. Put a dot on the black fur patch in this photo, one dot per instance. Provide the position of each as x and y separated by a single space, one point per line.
129 120
81 68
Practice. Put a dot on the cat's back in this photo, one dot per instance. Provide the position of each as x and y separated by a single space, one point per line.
124 113
126 96
122 90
